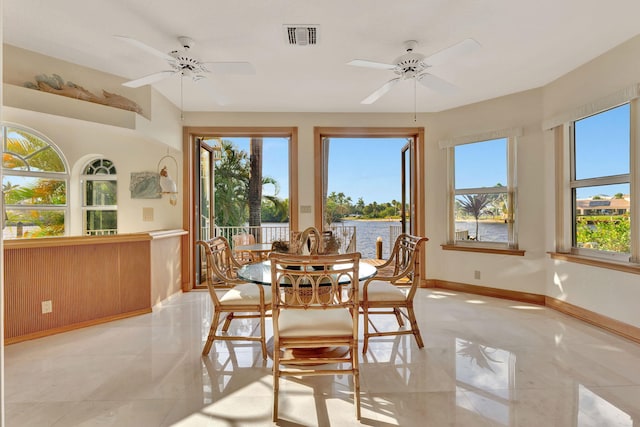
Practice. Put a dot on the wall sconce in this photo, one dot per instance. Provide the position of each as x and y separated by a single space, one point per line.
167 184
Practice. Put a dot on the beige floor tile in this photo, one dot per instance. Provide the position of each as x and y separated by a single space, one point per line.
486 362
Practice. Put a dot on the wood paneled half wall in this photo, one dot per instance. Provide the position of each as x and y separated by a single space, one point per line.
82 281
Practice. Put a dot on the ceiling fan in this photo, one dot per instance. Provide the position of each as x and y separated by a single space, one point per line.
182 63
413 65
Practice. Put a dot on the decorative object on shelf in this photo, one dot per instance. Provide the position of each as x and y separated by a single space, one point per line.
167 184
330 243
280 246
145 185
56 85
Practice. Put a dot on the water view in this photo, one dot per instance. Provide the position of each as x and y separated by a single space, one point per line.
491 231
367 232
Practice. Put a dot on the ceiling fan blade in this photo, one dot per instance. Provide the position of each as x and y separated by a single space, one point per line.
371 64
244 68
381 91
151 78
465 47
436 83
146 48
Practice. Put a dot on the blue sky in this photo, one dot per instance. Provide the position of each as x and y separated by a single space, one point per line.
366 167
482 164
275 163
602 148
358 167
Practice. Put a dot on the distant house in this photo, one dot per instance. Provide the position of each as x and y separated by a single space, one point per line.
610 206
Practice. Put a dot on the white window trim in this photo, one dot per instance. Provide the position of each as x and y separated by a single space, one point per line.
624 95
564 163
511 136
62 176
98 177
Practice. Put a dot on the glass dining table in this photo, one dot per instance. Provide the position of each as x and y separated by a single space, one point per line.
256 251
260 272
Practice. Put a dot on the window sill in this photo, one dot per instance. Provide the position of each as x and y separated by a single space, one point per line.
595 262
483 249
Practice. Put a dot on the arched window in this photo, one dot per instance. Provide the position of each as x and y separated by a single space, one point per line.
34 185
99 198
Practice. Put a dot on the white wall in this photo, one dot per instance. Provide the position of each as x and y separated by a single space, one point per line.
603 291
520 110
499 271
610 293
81 140
85 130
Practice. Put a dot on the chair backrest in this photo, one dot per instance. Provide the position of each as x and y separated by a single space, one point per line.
314 282
306 242
243 239
221 265
406 254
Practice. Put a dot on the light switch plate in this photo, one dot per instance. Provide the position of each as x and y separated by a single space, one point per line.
147 214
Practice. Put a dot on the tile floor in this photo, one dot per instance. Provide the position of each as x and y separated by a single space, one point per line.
486 362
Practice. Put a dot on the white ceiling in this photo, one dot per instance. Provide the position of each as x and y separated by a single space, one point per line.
525 44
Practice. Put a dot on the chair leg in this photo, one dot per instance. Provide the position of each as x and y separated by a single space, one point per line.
356 380
396 311
227 322
276 379
414 326
365 320
263 334
212 331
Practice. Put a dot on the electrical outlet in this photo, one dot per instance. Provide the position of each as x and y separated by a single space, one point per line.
476 274
47 307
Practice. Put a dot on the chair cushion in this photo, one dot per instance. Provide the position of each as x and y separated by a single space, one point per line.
302 323
246 293
378 290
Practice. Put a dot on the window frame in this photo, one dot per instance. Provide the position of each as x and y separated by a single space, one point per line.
511 246
84 180
61 176
190 135
566 184
415 135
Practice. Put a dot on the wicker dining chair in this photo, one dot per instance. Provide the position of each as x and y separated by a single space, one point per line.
250 299
315 308
305 242
392 290
243 257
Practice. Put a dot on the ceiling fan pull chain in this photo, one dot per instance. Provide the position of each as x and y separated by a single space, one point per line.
415 101
181 98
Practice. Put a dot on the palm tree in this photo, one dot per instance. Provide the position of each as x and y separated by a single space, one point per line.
27 152
232 189
232 178
280 207
475 205
255 186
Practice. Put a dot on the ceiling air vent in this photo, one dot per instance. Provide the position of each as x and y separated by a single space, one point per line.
301 35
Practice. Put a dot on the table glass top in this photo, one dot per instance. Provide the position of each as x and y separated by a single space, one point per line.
256 247
260 272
